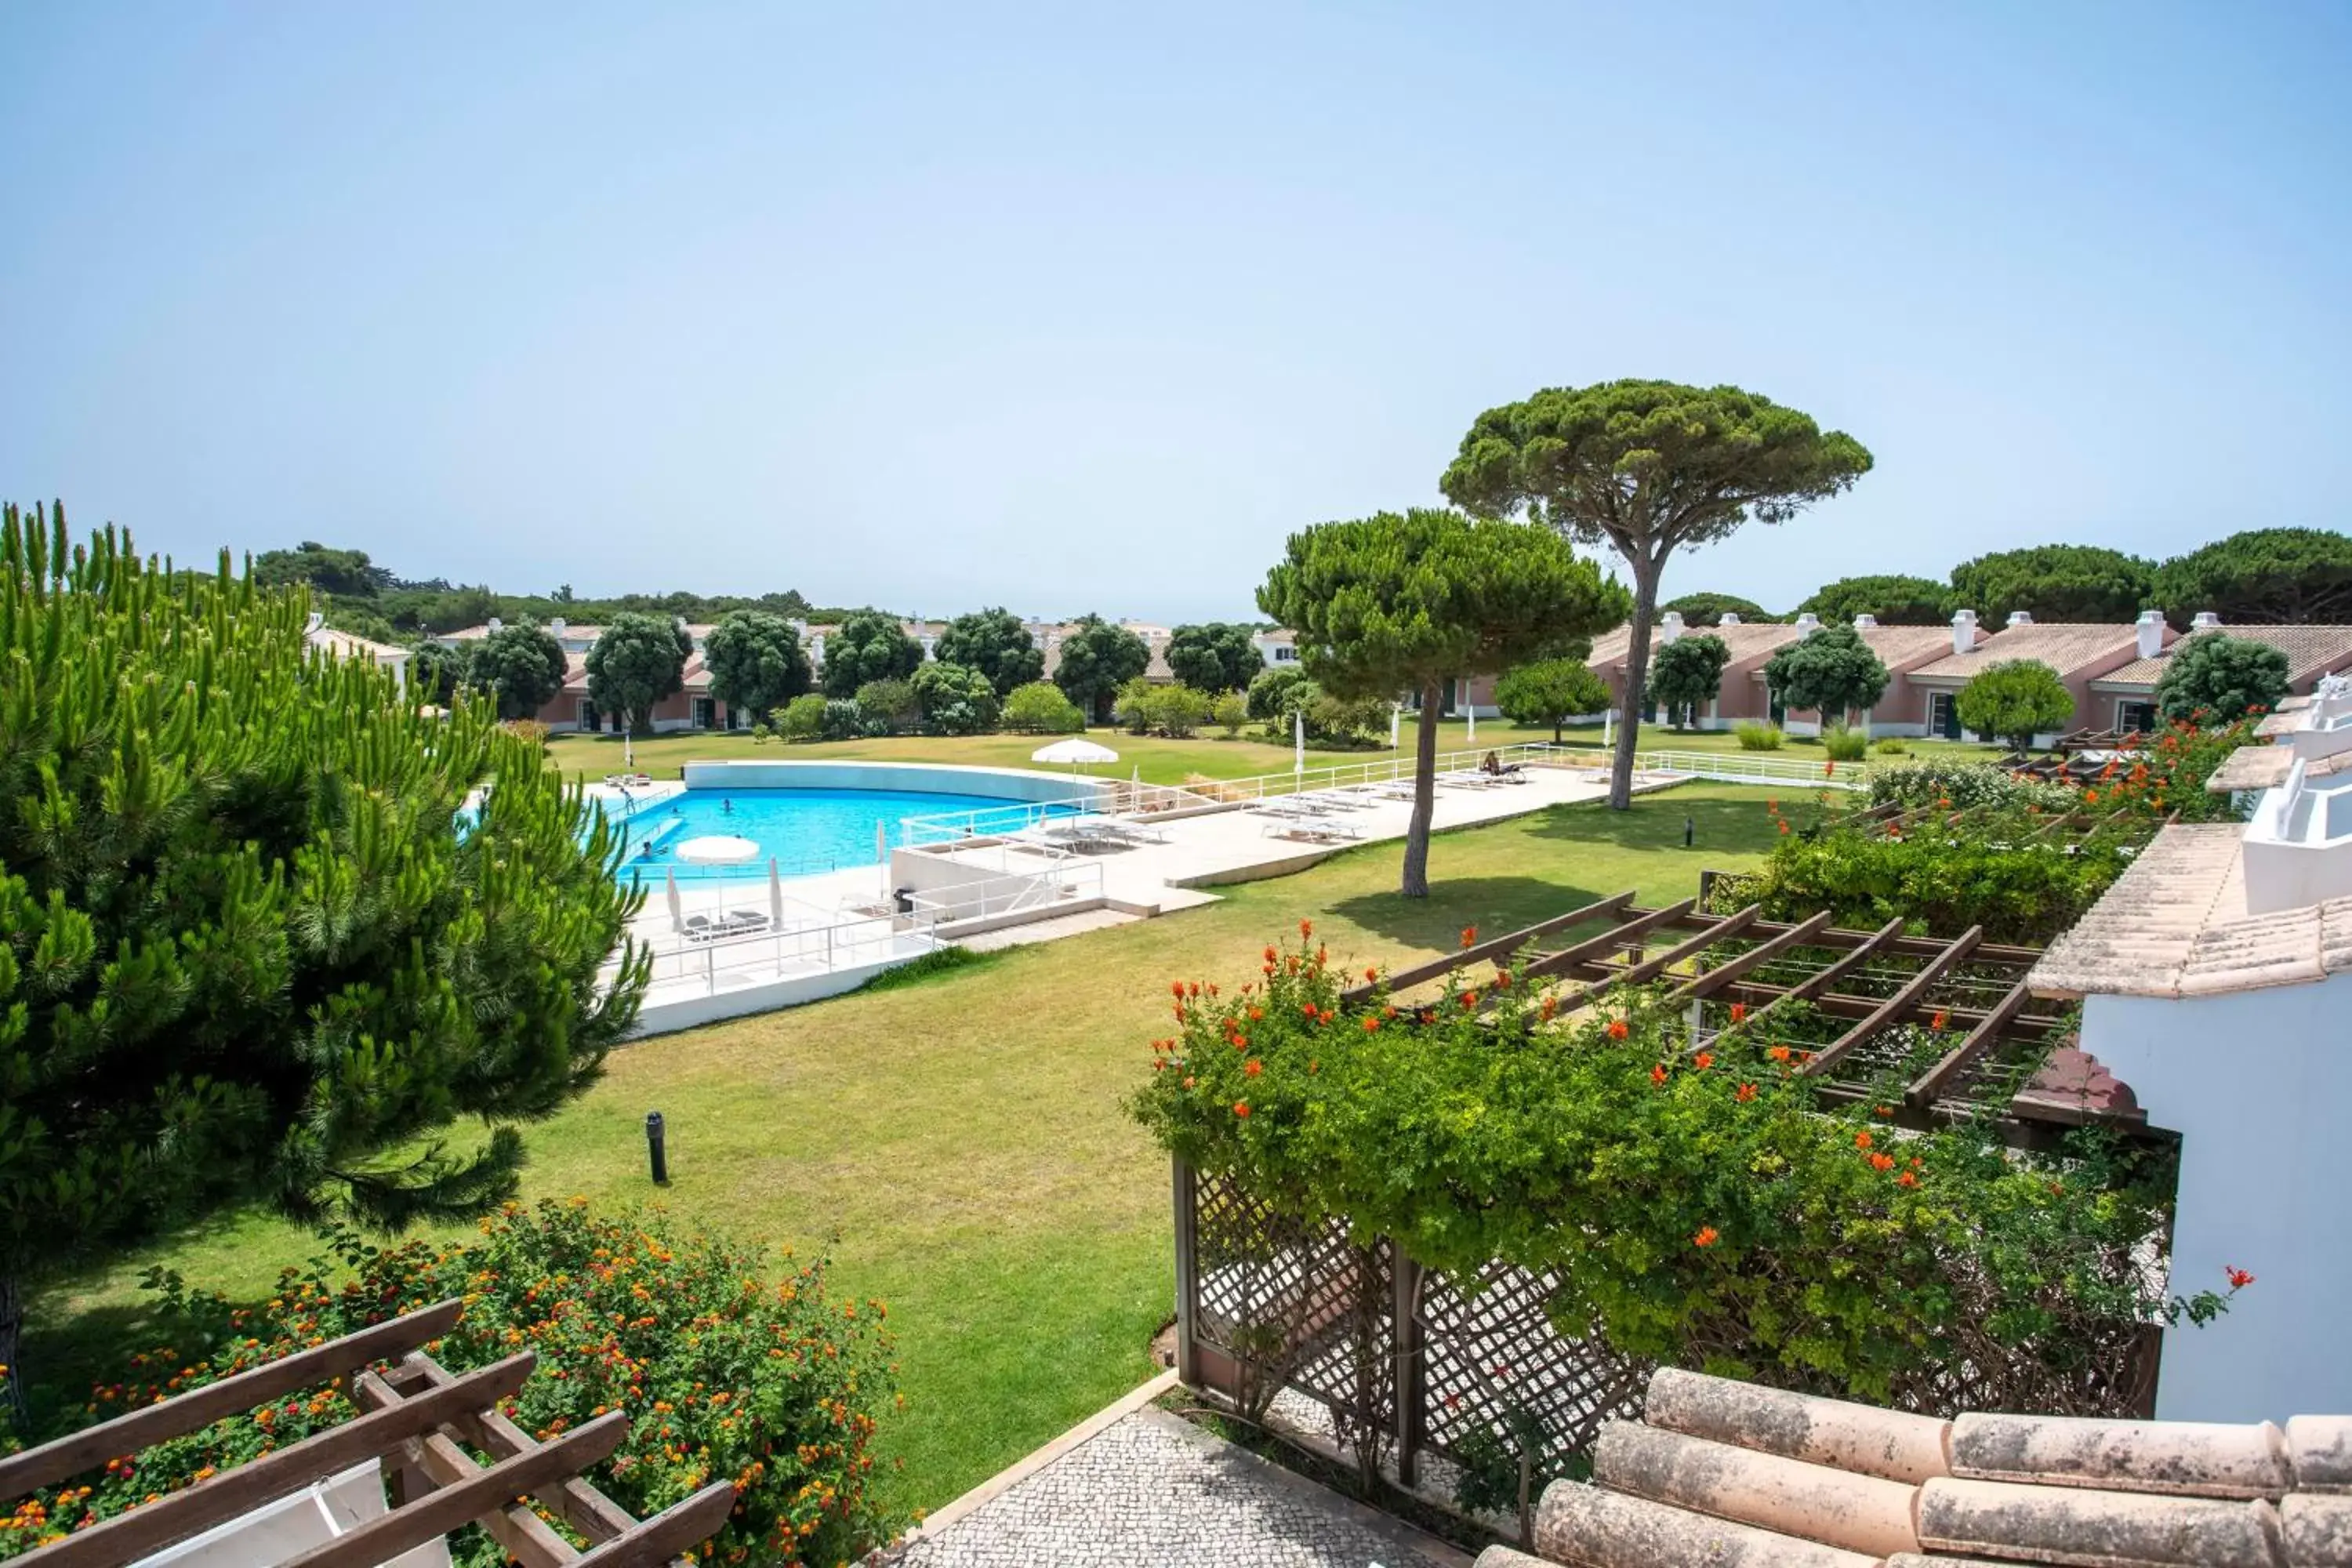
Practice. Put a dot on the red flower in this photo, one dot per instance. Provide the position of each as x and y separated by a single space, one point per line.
1370 973
2239 1279
1738 1013
1269 953
1502 980
1176 989
1469 999
1907 1179
1704 1060
1308 1008
1881 1162
1862 1140
1943 1016
1550 1005
1829 770
1305 929
1255 1014
1240 1109
1784 825
1779 1053
1658 1073
1706 1236
1252 1067
1773 806
1372 1025
1617 1029
1747 1092
1195 988
1469 936
2090 796
1885 1111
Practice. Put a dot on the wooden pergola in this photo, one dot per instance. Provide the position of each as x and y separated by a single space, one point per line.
418 1421
1890 820
1986 1034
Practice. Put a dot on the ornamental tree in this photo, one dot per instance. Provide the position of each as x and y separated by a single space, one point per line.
888 707
2265 575
755 661
996 644
248 952
1893 600
868 646
2016 700
1830 672
1687 672
1708 609
2054 583
1406 602
1649 467
1274 694
1213 657
2214 678
1040 709
1098 658
955 699
638 661
1549 691
522 667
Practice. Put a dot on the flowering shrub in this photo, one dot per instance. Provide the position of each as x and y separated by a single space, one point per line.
1698 1207
1963 786
774 1387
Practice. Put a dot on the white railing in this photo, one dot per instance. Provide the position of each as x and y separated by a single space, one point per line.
1376 771
991 822
1074 881
1750 767
781 951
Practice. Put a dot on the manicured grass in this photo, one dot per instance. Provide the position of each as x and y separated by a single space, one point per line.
1162 761
963 1137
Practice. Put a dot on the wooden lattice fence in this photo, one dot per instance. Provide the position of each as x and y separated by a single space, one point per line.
1411 1361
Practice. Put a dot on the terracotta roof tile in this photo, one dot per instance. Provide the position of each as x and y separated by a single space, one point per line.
2066 647
1748 640
2311 652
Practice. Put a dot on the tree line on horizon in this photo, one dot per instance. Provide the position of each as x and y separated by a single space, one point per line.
2262 576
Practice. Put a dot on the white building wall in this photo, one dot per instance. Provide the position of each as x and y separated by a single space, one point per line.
2259 1085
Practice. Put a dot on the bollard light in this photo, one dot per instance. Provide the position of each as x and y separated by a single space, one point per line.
1689 829
653 1149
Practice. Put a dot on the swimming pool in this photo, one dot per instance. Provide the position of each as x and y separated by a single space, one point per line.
803 830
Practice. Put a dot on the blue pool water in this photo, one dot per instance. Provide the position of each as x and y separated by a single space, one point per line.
804 831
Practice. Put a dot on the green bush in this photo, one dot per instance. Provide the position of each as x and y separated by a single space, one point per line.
1703 1208
1347 722
1891 746
802 718
2215 679
887 707
1040 709
1271 698
1962 786
956 701
1175 711
2015 699
1845 744
1754 735
844 720
1229 713
776 1387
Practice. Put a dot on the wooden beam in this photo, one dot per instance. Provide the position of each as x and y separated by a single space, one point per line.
1649 968
1722 974
1497 947
1617 936
1929 1085
146 1530
443 1510
519 1531
1886 935
200 1407
1895 1006
673 1530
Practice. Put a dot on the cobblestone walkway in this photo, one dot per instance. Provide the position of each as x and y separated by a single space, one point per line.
1154 1491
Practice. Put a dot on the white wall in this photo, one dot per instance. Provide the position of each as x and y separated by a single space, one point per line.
1009 784
2259 1085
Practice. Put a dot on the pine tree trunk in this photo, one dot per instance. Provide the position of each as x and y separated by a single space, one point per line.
1424 798
1637 676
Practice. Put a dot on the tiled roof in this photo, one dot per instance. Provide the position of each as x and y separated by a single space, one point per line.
1900 647
2311 652
2065 646
347 644
2261 767
2176 924
1747 640
1729 1474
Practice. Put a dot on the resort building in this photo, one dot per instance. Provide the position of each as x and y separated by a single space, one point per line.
335 644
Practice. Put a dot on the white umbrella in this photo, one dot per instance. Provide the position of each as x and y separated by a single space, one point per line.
717 849
677 915
1076 750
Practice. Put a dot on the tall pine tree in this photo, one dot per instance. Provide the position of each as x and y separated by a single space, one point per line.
252 945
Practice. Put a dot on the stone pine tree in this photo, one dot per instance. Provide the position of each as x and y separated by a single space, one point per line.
247 952
1098 658
755 661
522 669
1549 691
2016 700
1686 672
1829 672
1650 468
1891 599
2264 574
1395 603
868 646
1213 657
635 663
996 644
2054 583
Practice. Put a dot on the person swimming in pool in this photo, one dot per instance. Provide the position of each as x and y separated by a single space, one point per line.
727 806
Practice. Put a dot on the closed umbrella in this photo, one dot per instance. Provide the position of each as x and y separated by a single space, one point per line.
882 857
677 915
775 894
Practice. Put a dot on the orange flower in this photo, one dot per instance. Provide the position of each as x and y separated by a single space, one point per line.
1747 1092
1704 1060
2090 796
1706 1236
1881 1162
1658 1073
1907 1179
1885 1111
1779 1053
1308 1008
1862 1140
1502 980
1469 999
1252 1067
1189 1080
1315 1064
1370 973
1617 1029
1176 989
1270 954
1550 1005
1784 825
1943 1016
1829 770
1372 1025
1738 1013
1469 936
1255 1014
1305 929
1240 1109
1772 806
2239 1279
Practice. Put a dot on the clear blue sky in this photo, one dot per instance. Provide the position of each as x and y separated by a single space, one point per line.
1086 308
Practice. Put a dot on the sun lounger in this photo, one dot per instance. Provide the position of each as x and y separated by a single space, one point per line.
1469 778
1313 832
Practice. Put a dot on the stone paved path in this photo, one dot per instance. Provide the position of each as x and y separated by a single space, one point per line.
1152 1490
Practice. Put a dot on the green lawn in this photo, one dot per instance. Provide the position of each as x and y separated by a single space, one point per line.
1162 761
962 1138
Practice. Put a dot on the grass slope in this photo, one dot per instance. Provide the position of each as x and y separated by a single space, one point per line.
962 1138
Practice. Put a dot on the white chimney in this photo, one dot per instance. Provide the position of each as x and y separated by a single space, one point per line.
2206 621
497 625
1809 623
2151 633
1865 622
1670 629
2020 618
1964 630
555 624
1730 618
